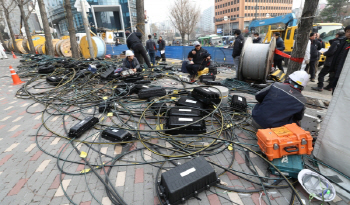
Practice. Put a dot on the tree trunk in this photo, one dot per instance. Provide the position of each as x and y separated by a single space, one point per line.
302 36
140 10
188 39
48 37
26 27
71 29
183 38
9 24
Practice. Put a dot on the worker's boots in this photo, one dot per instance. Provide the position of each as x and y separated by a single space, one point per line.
317 89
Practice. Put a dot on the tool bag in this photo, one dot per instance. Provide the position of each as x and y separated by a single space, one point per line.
286 140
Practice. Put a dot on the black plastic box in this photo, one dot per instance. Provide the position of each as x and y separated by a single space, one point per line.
186 112
239 103
107 73
187 180
151 92
179 121
204 78
116 135
44 70
212 83
189 102
206 95
84 125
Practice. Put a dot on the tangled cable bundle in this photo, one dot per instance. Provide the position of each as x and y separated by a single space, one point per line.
73 90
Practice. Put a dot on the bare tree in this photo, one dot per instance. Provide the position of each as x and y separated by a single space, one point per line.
154 28
8 6
48 37
25 16
192 14
71 29
177 16
302 36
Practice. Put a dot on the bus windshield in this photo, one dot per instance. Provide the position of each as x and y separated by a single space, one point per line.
328 32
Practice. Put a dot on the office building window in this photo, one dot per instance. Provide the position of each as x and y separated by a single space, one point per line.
228 3
237 8
231 10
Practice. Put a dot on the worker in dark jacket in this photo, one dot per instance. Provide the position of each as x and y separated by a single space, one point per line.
134 43
281 103
131 62
161 48
199 59
340 56
315 47
237 49
151 48
327 64
323 45
257 38
277 59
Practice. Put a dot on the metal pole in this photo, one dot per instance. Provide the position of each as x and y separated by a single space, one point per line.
87 30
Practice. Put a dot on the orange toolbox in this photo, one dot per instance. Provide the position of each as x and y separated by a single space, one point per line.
287 140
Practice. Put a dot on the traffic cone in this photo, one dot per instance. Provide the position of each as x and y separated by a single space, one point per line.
15 77
13 55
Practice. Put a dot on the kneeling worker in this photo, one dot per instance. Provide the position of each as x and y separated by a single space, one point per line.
130 62
199 59
281 103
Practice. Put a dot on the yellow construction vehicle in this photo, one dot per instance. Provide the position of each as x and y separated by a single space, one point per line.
327 32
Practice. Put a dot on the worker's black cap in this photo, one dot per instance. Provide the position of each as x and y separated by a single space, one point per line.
341 33
277 34
347 28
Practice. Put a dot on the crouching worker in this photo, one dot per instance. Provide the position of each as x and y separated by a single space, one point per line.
281 103
199 59
130 62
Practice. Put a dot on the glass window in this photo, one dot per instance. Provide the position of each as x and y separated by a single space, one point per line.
237 8
234 9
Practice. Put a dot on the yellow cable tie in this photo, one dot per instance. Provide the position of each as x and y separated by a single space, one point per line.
105 98
176 92
110 114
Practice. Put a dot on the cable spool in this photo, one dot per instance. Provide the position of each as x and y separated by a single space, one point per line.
98 45
37 49
65 48
256 60
57 48
54 42
84 47
37 41
41 49
24 45
19 46
101 46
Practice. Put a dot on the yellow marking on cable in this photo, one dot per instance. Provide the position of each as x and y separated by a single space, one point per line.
230 147
159 127
85 170
110 114
105 98
176 92
173 98
83 154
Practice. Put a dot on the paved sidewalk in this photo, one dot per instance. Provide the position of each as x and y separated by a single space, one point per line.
29 175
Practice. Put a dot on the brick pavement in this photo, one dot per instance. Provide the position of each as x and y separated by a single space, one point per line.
30 172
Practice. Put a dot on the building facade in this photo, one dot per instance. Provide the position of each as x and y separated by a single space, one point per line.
207 20
241 12
104 18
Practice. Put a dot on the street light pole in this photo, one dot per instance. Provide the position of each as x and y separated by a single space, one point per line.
87 30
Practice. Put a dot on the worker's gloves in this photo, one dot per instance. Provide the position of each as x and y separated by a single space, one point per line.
307 61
